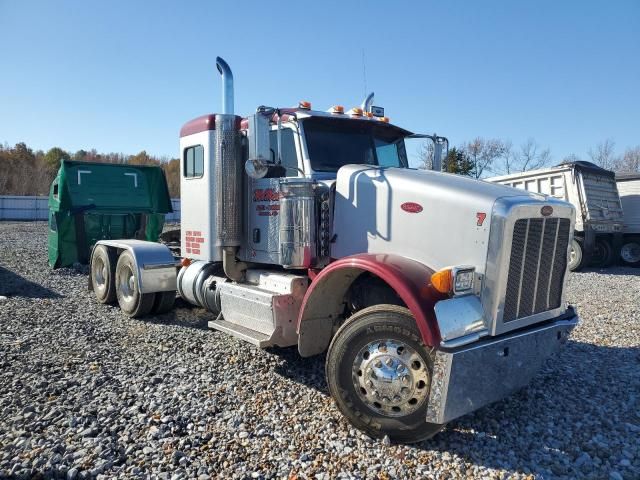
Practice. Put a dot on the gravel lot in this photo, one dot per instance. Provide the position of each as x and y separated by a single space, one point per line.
86 392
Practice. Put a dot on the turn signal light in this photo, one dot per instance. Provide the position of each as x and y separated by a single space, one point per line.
337 109
185 262
442 280
304 105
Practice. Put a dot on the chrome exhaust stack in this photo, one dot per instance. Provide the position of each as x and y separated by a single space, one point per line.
228 179
366 104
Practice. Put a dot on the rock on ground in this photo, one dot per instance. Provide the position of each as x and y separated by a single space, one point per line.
86 392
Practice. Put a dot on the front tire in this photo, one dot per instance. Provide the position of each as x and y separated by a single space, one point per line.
379 374
131 301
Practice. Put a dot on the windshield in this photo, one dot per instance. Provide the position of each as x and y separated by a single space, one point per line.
333 143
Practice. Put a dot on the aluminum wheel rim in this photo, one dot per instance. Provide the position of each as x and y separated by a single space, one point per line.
127 283
391 378
99 274
630 252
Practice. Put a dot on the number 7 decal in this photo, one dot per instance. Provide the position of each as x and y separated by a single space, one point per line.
481 216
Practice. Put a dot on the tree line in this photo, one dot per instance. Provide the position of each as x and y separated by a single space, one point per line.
481 158
24 171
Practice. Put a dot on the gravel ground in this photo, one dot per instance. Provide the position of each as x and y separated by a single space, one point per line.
86 392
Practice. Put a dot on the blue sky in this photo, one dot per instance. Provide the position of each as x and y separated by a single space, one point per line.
123 76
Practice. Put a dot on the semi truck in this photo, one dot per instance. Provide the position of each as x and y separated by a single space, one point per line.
431 295
629 190
592 191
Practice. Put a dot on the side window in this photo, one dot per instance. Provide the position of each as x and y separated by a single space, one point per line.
289 154
55 190
193 162
388 155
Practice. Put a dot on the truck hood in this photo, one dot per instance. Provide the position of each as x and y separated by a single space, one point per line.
438 219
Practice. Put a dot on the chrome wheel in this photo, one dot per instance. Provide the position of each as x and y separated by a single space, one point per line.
630 252
127 283
99 273
391 378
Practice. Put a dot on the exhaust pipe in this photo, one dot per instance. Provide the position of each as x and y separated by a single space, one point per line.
228 180
366 104
227 86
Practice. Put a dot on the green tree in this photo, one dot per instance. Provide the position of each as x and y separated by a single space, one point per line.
54 156
458 162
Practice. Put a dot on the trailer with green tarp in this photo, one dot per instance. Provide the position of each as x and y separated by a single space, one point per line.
95 201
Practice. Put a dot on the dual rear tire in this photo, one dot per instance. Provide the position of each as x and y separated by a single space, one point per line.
115 278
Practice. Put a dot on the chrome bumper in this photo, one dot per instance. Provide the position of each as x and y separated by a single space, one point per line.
472 376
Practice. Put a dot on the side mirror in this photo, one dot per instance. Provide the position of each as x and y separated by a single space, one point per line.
256 168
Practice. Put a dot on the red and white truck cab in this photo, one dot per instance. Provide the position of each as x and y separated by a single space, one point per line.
431 294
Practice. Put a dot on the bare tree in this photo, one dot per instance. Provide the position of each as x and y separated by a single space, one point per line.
630 161
530 156
425 155
603 155
484 153
571 158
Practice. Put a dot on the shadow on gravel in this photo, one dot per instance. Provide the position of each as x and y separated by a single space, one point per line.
14 285
586 399
618 270
183 315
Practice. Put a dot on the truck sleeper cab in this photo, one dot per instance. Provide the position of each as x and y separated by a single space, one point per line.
432 294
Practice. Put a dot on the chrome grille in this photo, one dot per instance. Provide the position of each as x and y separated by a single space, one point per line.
536 267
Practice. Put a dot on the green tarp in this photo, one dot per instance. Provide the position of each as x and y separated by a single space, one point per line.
94 201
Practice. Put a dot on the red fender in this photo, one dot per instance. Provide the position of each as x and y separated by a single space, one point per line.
410 280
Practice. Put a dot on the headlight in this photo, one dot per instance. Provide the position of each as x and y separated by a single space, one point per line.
456 280
463 280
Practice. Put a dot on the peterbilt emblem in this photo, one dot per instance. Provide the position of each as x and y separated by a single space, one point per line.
411 207
546 210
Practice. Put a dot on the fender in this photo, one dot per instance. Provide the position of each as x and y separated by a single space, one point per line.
324 299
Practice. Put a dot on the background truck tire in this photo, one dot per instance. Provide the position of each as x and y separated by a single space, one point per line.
103 270
630 251
602 253
131 301
576 255
163 302
379 373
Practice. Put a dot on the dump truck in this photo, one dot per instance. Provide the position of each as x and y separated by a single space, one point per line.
431 294
629 190
592 191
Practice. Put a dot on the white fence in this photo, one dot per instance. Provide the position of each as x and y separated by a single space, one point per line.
14 207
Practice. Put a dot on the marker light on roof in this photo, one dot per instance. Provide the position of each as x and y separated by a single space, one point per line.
355 111
369 114
384 119
336 109
304 105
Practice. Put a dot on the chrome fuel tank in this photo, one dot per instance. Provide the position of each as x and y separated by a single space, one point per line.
297 222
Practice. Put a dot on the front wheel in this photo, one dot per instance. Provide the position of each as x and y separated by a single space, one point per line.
379 373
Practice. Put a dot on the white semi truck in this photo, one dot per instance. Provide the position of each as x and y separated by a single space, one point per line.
593 192
431 294
629 190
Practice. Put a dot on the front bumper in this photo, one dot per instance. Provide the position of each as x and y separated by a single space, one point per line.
472 376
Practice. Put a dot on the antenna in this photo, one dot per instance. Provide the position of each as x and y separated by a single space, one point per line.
364 73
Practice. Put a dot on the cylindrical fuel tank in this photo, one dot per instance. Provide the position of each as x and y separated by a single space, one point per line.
197 284
297 222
